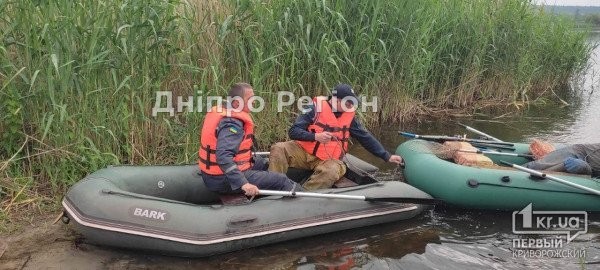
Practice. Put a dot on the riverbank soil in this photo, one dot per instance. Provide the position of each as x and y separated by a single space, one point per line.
49 244
41 244
46 244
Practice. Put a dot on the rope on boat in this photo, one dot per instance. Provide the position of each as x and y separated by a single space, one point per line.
141 196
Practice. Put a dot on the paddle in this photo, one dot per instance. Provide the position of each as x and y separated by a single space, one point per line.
491 145
350 197
480 133
444 151
448 138
554 178
497 153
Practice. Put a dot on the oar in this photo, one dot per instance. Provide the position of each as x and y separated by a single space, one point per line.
350 197
554 178
448 138
480 132
444 151
496 153
491 145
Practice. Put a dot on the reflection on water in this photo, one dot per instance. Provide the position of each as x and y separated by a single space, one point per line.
366 247
483 240
438 239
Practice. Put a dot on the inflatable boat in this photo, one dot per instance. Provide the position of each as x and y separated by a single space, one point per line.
168 210
500 188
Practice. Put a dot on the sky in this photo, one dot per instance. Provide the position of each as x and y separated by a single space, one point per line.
570 2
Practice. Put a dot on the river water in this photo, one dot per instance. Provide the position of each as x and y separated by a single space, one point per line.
459 239
438 239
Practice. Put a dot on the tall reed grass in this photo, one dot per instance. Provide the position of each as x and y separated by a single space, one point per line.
78 78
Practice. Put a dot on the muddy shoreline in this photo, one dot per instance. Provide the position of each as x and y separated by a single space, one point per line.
34 245
48 245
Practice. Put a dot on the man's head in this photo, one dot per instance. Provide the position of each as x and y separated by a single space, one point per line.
343 98
239 94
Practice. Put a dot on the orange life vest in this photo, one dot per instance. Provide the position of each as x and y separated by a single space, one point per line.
208 141
325 120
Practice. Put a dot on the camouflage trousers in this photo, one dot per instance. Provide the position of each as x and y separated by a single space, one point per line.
290 154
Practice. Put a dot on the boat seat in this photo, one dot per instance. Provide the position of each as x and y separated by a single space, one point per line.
344 182
233 199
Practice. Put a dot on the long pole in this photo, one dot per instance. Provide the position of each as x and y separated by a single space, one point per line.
447 138
496 153
311 194
480 133
350 197
554 178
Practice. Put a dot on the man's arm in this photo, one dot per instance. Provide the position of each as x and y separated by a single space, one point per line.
298 129
590 153
230 134
366 139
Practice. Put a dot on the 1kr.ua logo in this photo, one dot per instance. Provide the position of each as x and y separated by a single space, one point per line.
568 223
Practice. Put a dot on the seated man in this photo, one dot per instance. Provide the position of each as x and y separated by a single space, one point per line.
320 140
577 159
225 155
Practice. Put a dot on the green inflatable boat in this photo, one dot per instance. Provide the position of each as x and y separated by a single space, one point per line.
168 210
499 188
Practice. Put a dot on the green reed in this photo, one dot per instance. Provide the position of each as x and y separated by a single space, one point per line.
78 79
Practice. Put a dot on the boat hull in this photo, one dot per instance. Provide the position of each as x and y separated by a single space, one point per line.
167 210
499 189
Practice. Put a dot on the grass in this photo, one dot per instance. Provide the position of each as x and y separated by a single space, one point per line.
78 79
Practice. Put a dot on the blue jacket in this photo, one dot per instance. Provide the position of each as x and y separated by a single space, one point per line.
299 132
230 133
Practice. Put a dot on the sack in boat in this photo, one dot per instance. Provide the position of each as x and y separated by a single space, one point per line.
472 159
539 149
468 159
454 145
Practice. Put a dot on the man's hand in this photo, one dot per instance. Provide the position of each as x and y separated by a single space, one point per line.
396 159
577 166
323 137
250 189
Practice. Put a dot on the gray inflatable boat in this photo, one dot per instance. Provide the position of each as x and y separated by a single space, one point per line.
168 210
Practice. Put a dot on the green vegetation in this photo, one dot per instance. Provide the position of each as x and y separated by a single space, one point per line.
78 78
584 16
593 19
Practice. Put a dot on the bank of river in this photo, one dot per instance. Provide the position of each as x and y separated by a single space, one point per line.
438 239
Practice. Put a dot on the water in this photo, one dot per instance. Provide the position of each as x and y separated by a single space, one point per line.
438 239
483 239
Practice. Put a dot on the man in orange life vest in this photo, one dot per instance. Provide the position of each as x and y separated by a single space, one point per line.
320 139
225 155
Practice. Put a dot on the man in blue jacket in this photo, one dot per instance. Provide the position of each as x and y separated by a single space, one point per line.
320 139
577 159
225 157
